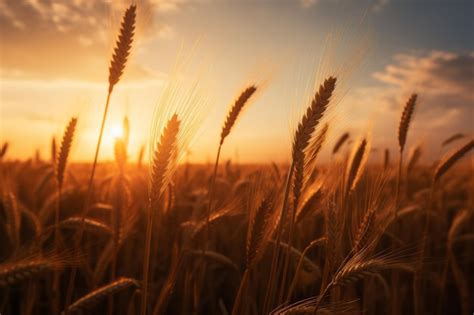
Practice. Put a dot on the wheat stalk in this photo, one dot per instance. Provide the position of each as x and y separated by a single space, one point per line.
301 141
356 165
451 159
340 142
386 159
453 138
60 164
405 121
414 158
54 153
364 231
13 218
117 66
92 225
99 294
229 122
235 111
64 150
17 271
122 47
161 169
3 150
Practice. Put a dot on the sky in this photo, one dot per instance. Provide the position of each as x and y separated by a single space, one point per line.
54 60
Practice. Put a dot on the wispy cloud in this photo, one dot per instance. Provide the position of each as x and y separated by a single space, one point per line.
308 3
379 5
41 38
436 74
443 81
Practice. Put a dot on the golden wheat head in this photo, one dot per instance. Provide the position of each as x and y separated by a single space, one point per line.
64 150
405 121
340 142
164 154
97 295
122 46
235 110
450 160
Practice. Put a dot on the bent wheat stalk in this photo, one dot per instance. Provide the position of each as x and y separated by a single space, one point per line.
230 121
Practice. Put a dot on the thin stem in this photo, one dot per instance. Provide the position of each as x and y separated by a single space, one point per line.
240 292
211 195
56 250
321 297
276 249
399 183
116 221
395 274
287 256
85 210
298 268
417 290
146 262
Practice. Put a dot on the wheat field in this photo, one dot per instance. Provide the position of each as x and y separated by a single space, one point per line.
388 232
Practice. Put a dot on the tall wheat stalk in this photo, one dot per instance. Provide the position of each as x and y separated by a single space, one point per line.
165 153
403 127
402 139
442 168
117 66
262 223
230 121
302 138
60 168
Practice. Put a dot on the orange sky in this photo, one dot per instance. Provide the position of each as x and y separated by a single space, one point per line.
54 58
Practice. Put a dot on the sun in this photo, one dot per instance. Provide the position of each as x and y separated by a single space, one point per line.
116 132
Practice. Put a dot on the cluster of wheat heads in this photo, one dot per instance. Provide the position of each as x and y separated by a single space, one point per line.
347 236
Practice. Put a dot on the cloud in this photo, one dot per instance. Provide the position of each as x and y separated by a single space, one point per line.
51 39
308 3
437 74
379 5
443 81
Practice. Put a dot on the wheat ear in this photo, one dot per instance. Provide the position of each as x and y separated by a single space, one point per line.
356 166
226 128
405 121
122 46
64 150
12 273
414 158
451 159
116 69
3 150
302 139
340 142
235 110
59 171
386 159
161 172
97 295
451 139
